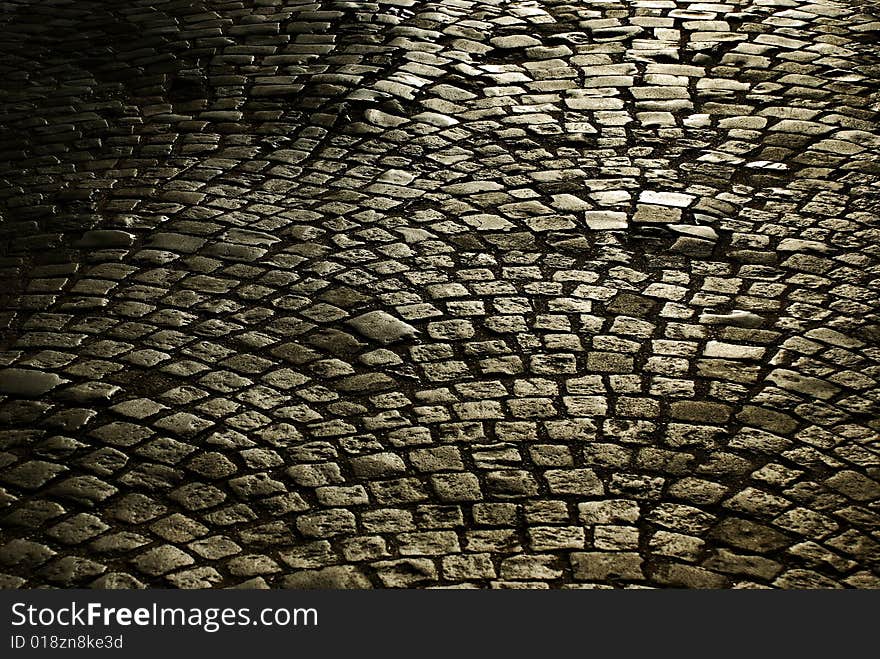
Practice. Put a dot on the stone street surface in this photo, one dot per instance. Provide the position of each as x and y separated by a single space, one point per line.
459 293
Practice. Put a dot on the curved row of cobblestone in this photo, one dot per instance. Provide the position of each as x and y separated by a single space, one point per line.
455 293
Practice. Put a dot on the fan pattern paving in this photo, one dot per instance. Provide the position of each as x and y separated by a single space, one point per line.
461 293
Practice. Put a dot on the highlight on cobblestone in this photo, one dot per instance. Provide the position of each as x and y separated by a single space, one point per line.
449 293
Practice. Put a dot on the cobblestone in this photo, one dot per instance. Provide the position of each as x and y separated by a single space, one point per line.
452 294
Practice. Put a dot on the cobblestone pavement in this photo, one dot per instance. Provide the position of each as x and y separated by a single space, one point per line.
472 293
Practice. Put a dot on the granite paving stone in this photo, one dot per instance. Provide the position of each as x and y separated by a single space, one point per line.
461 293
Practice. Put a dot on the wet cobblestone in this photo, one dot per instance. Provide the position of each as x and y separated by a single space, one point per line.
462 293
